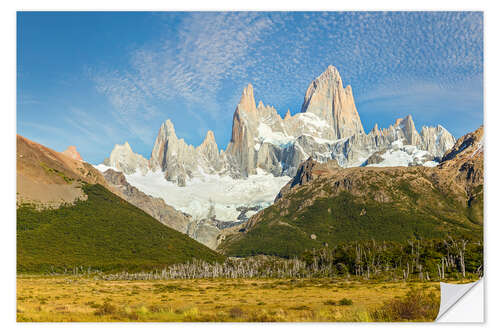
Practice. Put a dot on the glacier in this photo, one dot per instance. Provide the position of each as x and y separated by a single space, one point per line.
223 193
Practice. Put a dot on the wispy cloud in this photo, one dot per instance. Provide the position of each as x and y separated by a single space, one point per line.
89 126
205 59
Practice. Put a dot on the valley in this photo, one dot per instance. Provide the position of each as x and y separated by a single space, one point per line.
301 218
85 299
211 186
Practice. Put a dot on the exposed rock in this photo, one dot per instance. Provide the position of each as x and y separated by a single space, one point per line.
124 159
73 153
362 203
307 172
436 140
328 127
205 232
155 207
48 178
327 98
463 166
180 161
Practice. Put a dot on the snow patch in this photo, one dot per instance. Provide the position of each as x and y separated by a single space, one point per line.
267 135
479 147
104 168
313 120
404 155
224 193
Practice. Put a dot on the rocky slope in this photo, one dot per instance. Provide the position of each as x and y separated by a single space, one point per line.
49 178
265 150
206 231
73 153
155 207
325 204
68 216
328 127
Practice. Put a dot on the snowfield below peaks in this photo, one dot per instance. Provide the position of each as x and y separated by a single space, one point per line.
404 155
267 135
224 193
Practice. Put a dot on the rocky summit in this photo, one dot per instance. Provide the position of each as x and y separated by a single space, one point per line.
325 204
328 127
216 190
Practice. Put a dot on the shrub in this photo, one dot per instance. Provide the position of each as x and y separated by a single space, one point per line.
235 312
156 308
415 306
105 309
345 301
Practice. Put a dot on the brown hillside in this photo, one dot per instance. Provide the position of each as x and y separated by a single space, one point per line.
47 177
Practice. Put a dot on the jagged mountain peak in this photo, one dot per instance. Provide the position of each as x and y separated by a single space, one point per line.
406 120
328 127
375 130
210 136
467 146
168 129
123 158
331 72
330 101
124 147
209 141
247 100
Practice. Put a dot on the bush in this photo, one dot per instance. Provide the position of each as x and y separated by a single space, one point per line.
415 306
345 301
105 309
235 312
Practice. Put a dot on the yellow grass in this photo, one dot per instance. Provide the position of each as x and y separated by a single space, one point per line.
42 298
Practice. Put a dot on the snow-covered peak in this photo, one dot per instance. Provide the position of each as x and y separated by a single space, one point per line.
123 158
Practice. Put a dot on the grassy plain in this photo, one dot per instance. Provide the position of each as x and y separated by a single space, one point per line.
84 299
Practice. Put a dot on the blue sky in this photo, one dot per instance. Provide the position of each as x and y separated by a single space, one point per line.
97 79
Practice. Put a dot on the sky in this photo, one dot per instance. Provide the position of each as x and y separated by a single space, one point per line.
96 79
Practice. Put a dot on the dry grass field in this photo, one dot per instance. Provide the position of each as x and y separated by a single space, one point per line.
69 298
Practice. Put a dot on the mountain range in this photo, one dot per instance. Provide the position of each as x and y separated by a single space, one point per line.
325 204
327 127
265 151
283 185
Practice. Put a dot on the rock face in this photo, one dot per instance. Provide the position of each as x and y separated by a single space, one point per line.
328 127
124 159
363 203
155 207
436 140
73 153
180 161
330 101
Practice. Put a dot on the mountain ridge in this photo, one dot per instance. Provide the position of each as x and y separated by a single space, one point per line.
325 204
328 127
68 215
